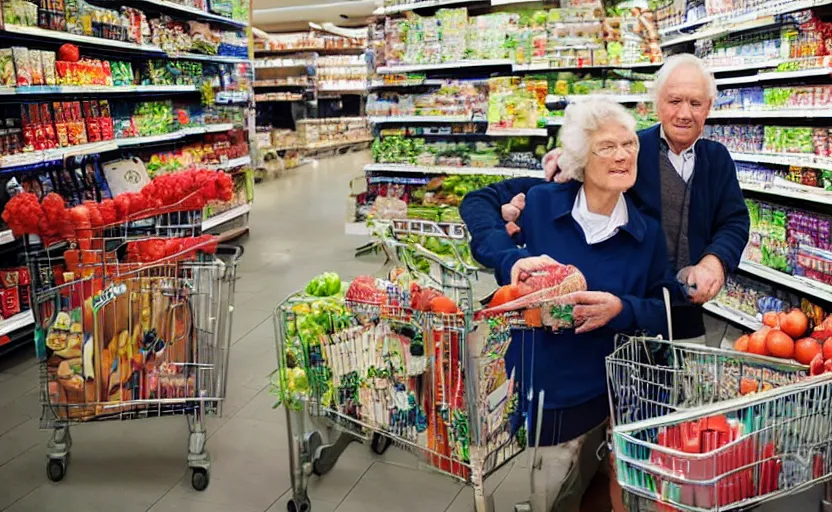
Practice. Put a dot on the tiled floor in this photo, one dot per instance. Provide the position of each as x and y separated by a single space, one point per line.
296 233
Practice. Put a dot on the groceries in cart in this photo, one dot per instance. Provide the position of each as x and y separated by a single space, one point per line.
711 429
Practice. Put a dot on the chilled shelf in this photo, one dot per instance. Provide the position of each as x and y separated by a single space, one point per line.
226 216
393 9
806 286
517 132
438 169
547 67
411 68
190 12
738 317
422 119
745 66
93 89
619 98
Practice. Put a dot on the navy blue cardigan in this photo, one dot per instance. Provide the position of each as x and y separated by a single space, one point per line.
631 265
718 225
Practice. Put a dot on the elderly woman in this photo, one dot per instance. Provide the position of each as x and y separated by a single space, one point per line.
592 224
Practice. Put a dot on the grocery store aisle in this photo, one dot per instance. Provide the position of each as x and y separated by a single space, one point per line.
296 232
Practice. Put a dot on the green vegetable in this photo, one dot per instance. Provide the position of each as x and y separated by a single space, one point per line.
324 285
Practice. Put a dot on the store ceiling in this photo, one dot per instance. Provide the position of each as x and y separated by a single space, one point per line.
290 15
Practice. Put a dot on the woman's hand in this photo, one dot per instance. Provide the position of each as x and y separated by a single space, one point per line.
593 309
523 268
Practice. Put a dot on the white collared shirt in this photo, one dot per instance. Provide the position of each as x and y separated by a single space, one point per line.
684 162
596 227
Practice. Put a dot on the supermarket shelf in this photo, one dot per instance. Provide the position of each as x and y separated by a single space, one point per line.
337 143
794 191
422 119
93 89
226 216
276 100
66 37
231 164
517 132
357 229
191 12
6 237
745 67
774 75
801 160
620 98
733 315
721 30
16 322
554 121
409 68
784 7
770 114
422 5
806 286
490 171
318 50
547 67
51 155
211 58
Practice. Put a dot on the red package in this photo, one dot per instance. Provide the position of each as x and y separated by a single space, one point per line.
93 130
9 278
10 302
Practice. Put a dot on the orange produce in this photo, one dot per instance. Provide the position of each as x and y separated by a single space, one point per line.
503 295
770 319
779 344
806 349
741 345
794 323
444 305
757 342
747 386
533 317
827 349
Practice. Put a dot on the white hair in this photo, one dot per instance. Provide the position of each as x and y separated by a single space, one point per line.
674 62
580 122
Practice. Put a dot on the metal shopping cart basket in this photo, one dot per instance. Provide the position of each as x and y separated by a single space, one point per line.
381 368
120 339
702 429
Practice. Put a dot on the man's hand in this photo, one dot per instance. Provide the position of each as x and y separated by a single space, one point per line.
511 211
703 280
521 270
550 166
593 309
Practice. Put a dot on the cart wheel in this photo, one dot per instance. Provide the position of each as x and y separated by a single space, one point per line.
380 444
199 479
55 469
298 505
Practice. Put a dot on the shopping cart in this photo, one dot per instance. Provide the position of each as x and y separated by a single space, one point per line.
389 372
704 429
119 338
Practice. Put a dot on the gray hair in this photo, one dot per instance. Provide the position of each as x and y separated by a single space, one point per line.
683 60
580 122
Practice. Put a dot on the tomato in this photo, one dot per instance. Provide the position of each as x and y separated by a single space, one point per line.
533 317
824 330
757 342
69 52
503 295
816 366
443 305
827 349
741 345
779 344
770 319
794 323
806 349
827 366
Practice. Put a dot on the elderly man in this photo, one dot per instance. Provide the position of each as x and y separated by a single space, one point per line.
688 183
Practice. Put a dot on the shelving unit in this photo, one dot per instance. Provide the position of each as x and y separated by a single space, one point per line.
236 69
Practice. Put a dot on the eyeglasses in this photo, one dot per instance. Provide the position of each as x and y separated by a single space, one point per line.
609 150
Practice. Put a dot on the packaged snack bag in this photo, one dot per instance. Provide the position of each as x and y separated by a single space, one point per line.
8 77
22 66
36 67
48 61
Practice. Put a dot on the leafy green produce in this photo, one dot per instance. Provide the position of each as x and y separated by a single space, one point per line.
324 285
